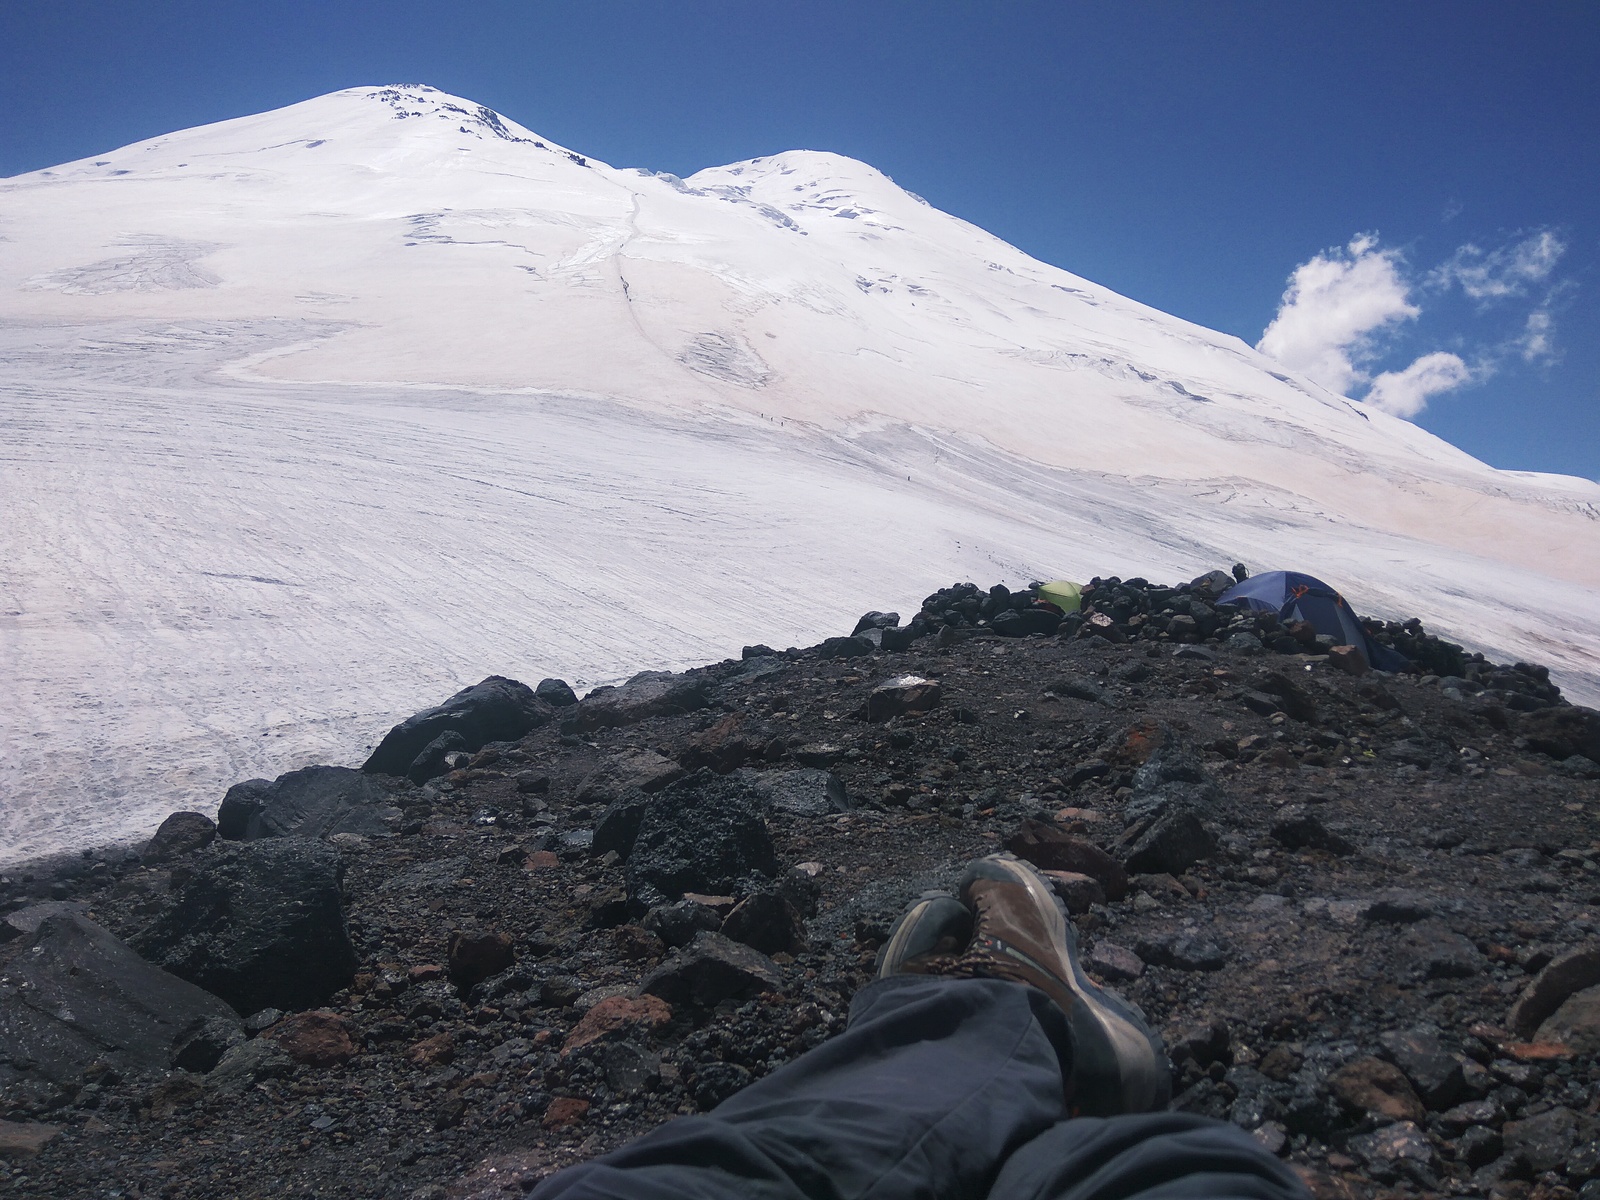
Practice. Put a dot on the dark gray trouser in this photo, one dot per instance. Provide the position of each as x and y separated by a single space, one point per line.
937 1088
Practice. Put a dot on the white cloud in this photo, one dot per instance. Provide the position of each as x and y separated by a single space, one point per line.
1405 393
1537 344
1333 307
1489 275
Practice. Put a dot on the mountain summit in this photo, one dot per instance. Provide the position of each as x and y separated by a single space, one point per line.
320 411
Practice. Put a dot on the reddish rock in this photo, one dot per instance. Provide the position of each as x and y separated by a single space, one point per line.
564 1111
722 747
1138 742
1379 1088
24 1139
616 1017
1565 976
436 1051
1114 963
475 955
425 973
1052 849
317 1038
1349 659
637 945
1077 891
540 860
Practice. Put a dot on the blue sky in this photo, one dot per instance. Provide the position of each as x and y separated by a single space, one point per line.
1424 177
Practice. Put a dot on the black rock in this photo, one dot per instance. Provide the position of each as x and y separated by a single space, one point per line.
314 802
496 710
1296 827
767 922
1075 687
180 834
1399 908
430 763
876 620
899 640
619 825
1291 697
1170 845
1438 952
1562 732
1479 1146
1434 1072
678 924
260 925
1185 951
711 969
702 834
77 995
201 1047
715 1081
1012 623
1544 1141
845 647
556 693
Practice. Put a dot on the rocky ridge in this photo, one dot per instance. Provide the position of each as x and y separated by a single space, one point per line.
1362 907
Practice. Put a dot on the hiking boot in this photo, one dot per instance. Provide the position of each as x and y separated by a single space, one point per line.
1020 934
934 925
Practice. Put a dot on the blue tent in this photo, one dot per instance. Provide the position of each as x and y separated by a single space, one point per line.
1297 597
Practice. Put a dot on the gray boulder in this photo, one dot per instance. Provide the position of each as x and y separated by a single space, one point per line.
806 792
260 925
314 802
76 995
496 710
648 694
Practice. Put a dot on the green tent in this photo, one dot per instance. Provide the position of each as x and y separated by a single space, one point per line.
1068 597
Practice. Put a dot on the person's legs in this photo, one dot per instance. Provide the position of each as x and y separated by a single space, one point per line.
931 1086
1148 1156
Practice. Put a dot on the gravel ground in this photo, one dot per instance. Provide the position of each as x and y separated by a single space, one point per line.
1392 865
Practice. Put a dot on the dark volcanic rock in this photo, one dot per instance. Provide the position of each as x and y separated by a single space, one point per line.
702 834
648 694
314 802
1171 844
767 922
1434 1072
901 696
1562 732
556 693
432 761
619 825
712 969
181 833
496 710
475 955
1298 828
260 925
76 995
858 646
1185 951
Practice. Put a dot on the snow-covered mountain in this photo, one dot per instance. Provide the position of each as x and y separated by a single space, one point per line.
310 417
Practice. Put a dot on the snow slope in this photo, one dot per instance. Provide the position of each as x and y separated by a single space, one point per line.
310 417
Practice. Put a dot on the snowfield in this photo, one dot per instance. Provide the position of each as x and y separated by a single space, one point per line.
309 418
